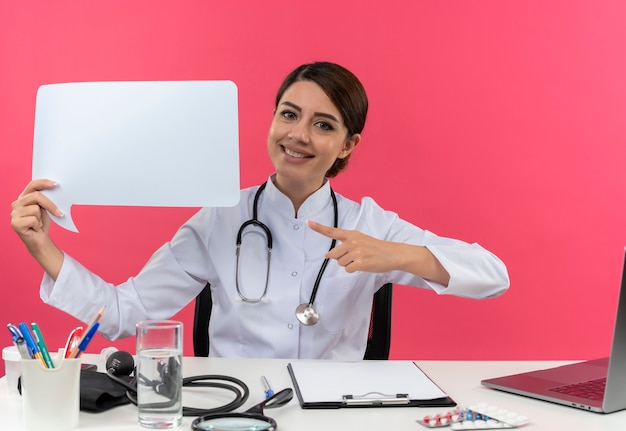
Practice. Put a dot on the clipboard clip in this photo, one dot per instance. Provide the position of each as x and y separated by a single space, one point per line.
380 400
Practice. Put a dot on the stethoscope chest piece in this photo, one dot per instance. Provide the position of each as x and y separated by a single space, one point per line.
307 315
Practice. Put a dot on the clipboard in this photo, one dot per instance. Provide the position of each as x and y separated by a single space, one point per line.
337 384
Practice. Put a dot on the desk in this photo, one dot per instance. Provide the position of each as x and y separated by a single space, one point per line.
460 379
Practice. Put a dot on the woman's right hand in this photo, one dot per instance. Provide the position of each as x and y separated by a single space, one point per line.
30 220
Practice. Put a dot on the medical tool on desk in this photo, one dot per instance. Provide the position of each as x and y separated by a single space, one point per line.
306 312
120 367
253 419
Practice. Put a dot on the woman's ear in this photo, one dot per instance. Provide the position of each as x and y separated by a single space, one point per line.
349 145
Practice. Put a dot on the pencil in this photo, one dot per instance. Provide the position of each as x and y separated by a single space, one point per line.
96 319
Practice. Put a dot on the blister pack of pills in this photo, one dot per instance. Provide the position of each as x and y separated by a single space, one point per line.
476 417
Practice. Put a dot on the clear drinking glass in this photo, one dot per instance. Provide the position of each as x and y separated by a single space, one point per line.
159 373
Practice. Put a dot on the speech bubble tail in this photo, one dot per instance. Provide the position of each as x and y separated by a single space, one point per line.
61 198
65 222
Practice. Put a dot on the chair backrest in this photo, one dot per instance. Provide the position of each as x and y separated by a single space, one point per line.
379 337
201 317
378 340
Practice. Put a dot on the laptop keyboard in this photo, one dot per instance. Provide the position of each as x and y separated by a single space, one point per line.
592 389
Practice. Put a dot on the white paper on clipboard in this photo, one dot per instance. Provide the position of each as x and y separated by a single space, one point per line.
330 381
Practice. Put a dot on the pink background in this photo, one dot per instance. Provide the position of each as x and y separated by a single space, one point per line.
500 122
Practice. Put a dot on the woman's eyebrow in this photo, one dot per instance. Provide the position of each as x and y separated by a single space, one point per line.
317 114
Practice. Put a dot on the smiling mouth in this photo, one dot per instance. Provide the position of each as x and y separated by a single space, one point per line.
292 153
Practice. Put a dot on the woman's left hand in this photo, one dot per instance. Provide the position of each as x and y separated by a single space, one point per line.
360 252
357 251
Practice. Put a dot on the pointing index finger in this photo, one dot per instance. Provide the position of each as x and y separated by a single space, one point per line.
330 232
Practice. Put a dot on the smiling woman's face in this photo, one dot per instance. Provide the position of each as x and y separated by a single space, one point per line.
306 136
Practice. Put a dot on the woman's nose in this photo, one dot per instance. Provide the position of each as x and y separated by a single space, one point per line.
299 133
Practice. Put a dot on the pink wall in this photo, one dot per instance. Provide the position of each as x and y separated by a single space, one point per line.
497 122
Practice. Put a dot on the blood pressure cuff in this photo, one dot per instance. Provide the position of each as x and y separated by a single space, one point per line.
99 393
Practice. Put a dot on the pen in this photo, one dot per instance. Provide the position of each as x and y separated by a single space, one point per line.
94 322
268 389
96 318
84 342
30 343
42 345
22 348
72 340
15 333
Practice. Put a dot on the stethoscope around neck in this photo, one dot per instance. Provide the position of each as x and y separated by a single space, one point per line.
305 312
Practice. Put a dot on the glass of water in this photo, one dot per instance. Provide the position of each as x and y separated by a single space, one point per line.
159 373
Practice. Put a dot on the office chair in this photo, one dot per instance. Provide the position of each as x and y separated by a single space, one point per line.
378 340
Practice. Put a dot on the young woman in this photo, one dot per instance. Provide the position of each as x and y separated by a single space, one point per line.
345 250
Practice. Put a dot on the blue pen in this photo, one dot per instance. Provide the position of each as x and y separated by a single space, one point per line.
84 342
30 342
268 389
15 333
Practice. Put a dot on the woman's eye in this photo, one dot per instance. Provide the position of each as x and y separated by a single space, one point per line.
324 125
288 115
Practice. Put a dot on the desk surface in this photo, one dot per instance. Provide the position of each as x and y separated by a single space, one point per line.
460 379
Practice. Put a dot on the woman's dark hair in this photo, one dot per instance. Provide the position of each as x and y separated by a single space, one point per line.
343 88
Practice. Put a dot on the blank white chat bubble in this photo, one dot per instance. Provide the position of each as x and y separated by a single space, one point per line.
157 143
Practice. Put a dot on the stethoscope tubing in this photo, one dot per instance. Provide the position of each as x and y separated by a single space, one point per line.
254 221
316 285
235 385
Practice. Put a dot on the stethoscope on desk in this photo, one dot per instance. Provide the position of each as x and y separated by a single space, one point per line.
306 313
120 366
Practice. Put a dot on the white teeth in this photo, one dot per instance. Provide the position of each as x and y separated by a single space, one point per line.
294 154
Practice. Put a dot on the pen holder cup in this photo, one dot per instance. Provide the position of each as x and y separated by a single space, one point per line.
51 396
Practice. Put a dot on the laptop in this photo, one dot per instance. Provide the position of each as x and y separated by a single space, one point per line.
598 385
